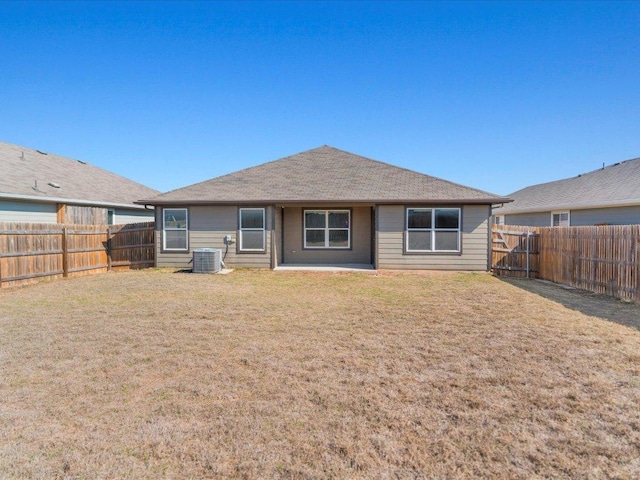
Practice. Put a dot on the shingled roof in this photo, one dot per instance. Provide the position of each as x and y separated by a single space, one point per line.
38 176
324 174
614 185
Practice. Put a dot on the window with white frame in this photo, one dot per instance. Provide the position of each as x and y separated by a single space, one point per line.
252 230
433 230
327 229
498 219
174 229
560 219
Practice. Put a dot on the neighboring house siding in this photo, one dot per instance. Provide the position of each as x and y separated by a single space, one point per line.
611 216
538 219
11 211
132 216
27 212
208 226
360 251
578 218
475 234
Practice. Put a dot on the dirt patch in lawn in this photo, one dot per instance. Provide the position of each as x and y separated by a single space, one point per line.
152 374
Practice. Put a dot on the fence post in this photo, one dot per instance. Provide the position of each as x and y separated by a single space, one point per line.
65 253
109 267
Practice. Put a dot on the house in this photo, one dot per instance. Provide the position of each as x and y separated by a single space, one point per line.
325 207
40 187
610 195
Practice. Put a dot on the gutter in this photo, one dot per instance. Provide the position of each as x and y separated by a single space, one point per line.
439 201
585 206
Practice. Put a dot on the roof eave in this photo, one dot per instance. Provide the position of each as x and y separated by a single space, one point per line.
400 201
587 206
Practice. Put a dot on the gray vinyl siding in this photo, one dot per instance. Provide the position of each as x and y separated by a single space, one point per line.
132 216
208 225
537 219
578 218
360 251
474 242
611 216
27 212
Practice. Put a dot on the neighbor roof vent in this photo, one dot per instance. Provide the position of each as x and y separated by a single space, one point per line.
54 185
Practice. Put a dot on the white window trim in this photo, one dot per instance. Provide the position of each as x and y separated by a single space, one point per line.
326 228
185 229
263 230
433 229
559 212
498 219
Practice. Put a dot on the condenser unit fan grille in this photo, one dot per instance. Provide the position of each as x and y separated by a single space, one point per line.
206 260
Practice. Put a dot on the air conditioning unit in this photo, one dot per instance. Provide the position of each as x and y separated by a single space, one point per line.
206 260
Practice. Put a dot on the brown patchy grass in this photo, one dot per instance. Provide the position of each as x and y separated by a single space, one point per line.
153 374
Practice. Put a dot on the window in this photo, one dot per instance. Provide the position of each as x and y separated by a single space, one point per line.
560 219
498 219
327 229
111 215
433 230
252 230
174 229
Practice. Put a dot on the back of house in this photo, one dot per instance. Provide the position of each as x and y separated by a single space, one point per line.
326 206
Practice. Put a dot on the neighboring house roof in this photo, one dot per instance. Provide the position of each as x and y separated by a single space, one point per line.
32 175
612 186
324 174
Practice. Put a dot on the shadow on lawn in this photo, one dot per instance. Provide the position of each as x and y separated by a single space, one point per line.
589 303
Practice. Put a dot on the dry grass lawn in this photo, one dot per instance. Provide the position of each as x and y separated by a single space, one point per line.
155 374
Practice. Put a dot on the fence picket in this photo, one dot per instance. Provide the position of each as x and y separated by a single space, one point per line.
602 259
30 251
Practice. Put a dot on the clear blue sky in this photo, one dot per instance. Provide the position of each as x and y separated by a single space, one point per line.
494 95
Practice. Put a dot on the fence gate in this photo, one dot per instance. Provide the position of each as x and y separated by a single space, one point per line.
515 251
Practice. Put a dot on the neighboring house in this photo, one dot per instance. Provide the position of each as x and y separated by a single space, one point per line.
610 195
325 207
39 187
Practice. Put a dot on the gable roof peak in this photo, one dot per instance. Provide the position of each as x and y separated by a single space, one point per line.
324 174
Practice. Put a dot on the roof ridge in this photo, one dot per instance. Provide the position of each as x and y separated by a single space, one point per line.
239 171
580 175
411 171
324 173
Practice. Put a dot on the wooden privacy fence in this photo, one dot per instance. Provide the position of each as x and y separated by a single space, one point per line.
30 251
602 259
515 251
